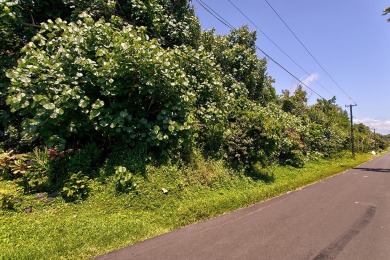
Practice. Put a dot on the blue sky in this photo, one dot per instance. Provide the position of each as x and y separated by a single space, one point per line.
349 38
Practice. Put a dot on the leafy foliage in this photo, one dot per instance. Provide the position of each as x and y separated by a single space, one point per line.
331 125
172 22
12 165
59 167
7 201
35 178
76 188
86 159
130 87
123 179
244 73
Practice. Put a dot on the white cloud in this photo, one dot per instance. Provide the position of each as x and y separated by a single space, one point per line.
308 80
381 126
313 77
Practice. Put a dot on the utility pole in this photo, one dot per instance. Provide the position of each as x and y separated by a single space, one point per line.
374 141
352 137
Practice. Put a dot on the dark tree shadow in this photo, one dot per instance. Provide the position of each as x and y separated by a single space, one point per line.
258 173
257 176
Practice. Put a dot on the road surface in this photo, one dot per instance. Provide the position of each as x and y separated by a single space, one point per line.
343 217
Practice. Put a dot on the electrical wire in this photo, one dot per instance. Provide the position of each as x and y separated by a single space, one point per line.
226 23
274 43
215 14
221 19
307 50
277 63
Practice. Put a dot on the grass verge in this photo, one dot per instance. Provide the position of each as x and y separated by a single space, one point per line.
107 221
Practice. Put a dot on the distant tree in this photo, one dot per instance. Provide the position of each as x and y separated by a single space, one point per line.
364 139
295 104
329 127
383 141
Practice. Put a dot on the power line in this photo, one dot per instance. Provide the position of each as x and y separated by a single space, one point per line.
274 43
221 19
296 37
277 63
215 14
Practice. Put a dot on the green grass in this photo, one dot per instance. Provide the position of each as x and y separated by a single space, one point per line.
108 221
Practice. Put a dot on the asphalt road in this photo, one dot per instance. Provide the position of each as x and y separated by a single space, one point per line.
343 217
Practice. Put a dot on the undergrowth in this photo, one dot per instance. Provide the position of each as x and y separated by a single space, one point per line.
162 197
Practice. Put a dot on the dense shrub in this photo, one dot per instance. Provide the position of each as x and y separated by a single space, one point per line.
76 188
15 139
328 128
130 90
172 22
12 165
7 201
35 178
86 159
123 179
262 134
30 170
242 142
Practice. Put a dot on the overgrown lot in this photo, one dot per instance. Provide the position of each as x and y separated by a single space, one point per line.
121 120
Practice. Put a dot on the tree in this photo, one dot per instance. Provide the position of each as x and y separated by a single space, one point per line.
364 138
328 128
235 53
295 104
243 75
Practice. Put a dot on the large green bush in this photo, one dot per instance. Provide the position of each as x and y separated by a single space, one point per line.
263 134
92 81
